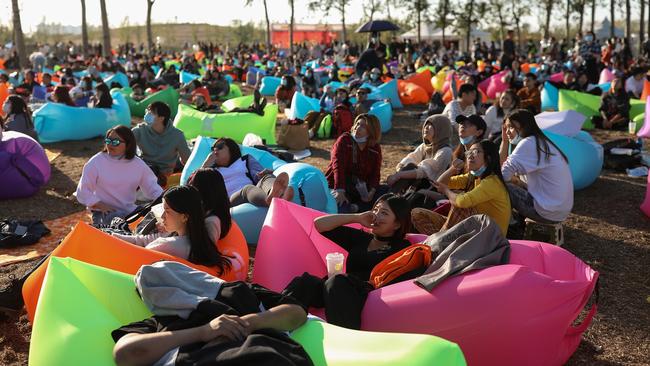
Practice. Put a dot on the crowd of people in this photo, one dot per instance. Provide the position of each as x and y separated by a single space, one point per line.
475 156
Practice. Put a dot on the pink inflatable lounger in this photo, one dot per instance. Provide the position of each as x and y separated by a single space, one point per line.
515 314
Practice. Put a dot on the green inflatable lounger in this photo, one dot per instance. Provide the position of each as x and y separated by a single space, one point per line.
81 304
589 105
236 125
138 108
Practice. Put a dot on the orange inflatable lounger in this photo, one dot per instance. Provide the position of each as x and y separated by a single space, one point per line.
410 93
423 80
93 246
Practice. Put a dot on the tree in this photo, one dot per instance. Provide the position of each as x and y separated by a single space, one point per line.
579 7
374 6
641 25
106 31
569 8
84 28
628 20
468 16
441 17
593 16
612 13
328 5
546 6
416 9
292 5
497 10
19 37
149 34
268 22
518 10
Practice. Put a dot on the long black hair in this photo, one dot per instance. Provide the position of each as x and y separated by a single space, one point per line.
187 200
402 211
528 127
210 184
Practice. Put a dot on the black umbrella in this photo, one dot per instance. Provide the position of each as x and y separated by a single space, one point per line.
376 26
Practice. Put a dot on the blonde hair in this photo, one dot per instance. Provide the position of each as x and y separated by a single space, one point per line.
372 126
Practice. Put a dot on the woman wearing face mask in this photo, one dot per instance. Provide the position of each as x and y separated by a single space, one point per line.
185 235
375 77
484 191
343 295
17 116
309 84
284 92
110 179
355 165
547 194
470 129
429 160
508 101
161 144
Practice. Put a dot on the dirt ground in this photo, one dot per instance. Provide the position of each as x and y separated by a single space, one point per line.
606 230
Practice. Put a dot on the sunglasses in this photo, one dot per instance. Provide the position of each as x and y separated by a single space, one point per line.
362 93
112 142
473 152
218 146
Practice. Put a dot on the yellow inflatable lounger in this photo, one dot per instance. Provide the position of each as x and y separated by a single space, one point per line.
81 304
236 125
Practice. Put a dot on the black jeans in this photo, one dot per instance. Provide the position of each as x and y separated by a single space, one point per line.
342 296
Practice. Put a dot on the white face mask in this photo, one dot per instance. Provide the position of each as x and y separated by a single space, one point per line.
517 139
360 140
6 108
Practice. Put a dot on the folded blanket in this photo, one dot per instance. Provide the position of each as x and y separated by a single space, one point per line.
473 243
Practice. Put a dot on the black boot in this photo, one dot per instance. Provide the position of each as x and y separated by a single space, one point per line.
11 297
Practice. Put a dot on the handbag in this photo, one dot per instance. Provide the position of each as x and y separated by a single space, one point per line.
294 136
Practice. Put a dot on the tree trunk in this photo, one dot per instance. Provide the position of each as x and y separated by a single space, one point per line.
106 31
345 31
18 35
291 28
419 26
468 36
445 10
149 34
388 9
568 16
628 21
612 10
547 23
641 25
518 27
593 16
268 27
582 16
84 29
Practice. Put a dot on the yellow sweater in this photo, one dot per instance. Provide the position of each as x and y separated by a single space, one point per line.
489 197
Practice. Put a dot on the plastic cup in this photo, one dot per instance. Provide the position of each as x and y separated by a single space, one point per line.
334 263
157 211
631 127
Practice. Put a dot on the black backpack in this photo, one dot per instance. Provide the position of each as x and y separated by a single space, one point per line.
15 233
621 162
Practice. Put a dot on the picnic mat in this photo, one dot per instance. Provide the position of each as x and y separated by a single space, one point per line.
52 154
60 228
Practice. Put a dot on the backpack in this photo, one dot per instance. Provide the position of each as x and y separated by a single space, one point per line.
621 162
342 120
408 263
15 233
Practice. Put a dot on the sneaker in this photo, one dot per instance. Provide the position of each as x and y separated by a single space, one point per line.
11 297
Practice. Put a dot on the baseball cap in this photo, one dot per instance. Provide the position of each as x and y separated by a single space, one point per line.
474 119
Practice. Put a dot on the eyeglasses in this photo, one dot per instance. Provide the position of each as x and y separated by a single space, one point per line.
112 142
218 146
473 152
362 93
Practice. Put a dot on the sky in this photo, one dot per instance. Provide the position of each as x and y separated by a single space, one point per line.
220 12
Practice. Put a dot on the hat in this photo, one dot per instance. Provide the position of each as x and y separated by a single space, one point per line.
375 70
364 89
344 89
474 119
